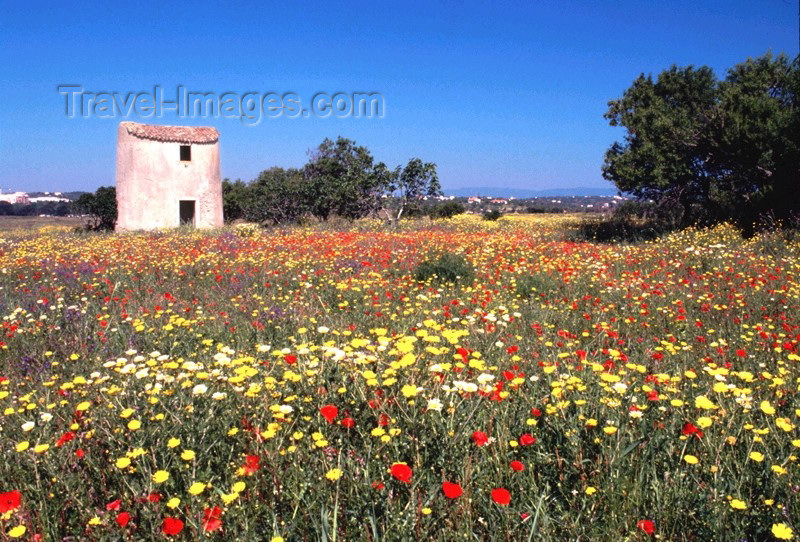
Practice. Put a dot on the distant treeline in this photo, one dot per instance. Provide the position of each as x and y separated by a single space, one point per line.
52 208
341 179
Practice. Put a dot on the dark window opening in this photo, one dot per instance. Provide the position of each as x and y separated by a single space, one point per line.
186 210
186 153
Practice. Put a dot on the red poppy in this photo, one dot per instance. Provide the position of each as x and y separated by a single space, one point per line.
691 429
377 485
348 423
251 464
402 472
123 519
517 466
329 412
647 526
480 438
527 439
290 359
10 501
66 437
535 412
154 497
451 490
80 453
212 519
171 526
501 496
114 505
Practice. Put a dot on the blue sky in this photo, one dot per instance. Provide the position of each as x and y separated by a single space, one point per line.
496 93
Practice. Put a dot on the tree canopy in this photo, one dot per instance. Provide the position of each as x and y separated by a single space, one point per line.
343 179
276 196
711 149
411 183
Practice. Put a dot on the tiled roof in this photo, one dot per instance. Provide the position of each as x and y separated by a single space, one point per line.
175 134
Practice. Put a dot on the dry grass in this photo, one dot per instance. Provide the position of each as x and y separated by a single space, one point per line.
8 223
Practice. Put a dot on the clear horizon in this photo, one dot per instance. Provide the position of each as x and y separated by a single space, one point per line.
506 96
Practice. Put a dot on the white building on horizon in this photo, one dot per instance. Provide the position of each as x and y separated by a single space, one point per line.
47 198
15 197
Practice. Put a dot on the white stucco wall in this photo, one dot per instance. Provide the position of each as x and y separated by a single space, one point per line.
152 179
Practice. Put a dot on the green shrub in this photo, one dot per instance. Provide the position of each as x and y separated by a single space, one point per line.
101 208
445 267
632 221
492 215
447 209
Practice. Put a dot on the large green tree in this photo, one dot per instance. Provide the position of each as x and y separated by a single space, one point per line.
343 179
756 140
712 150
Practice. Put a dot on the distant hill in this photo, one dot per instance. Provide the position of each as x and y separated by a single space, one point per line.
520 193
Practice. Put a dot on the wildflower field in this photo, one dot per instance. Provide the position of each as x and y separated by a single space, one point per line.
312 384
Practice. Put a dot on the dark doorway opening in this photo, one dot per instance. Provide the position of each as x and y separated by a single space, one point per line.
186 153
187 212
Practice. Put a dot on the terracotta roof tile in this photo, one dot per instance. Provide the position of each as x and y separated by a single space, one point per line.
175 134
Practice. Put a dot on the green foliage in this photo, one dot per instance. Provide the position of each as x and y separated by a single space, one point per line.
101 206
616 228
758 139
235 196
492 215
49 208
343 179
408 185
633 221
445 267
275 197
715 150
447 209
415 209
